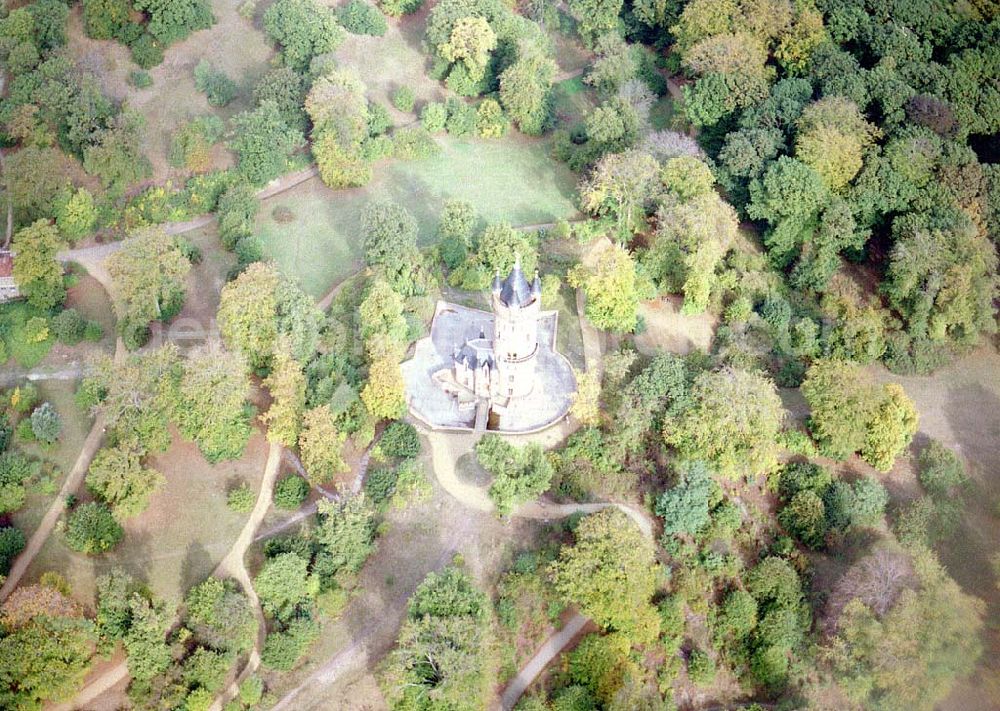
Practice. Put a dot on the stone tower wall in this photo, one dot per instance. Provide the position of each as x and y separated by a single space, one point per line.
515 347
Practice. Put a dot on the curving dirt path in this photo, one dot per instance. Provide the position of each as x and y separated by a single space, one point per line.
444 454
232 566
536 665
91 444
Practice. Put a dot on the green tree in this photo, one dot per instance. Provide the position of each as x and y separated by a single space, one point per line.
285 586
622 186
338 108
114 591
360 18
212 405
145 641
733 422
259 306
118 477
471 42
442 657
34 177
220 615
525 91
217 87
941 277
76 215
595 17
149 275
286 88
612 290
910 656
499 246
890 429
694 227
831 137
389 237
321 445
346 533
519 474
11 544
15 469
37 272
609 573
304 29
45 660
46 423
115 155
600 664
849 413
684 507
941 471
172 20
263 140
384 393
789 195
458 218
92 529
136 396
287 384
290 492
805 518
236 211
105 19
615 65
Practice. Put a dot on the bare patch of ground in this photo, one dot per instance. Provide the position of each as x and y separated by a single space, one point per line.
667 329
180 538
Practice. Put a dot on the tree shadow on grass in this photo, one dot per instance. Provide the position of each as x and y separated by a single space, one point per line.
197 565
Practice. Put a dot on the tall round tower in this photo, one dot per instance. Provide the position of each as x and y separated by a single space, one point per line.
516 305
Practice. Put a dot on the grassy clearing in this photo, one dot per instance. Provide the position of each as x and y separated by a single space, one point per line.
59 457
180 538
195 324
661 116
396 59
89 298
320 245
572 100
232 45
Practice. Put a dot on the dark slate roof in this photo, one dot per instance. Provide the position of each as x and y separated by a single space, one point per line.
515 290
475 353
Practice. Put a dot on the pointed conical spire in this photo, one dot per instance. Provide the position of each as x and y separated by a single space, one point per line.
536 285
497 283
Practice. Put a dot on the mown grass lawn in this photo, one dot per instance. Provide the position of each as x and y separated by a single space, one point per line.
514 179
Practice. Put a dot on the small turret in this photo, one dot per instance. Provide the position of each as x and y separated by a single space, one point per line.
497 282
536 286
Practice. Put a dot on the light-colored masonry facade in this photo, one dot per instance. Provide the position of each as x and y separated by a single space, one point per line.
499 369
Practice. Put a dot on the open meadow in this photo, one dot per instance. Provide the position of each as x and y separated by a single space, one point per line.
319 242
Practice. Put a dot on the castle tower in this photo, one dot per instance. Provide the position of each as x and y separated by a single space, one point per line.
516 305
